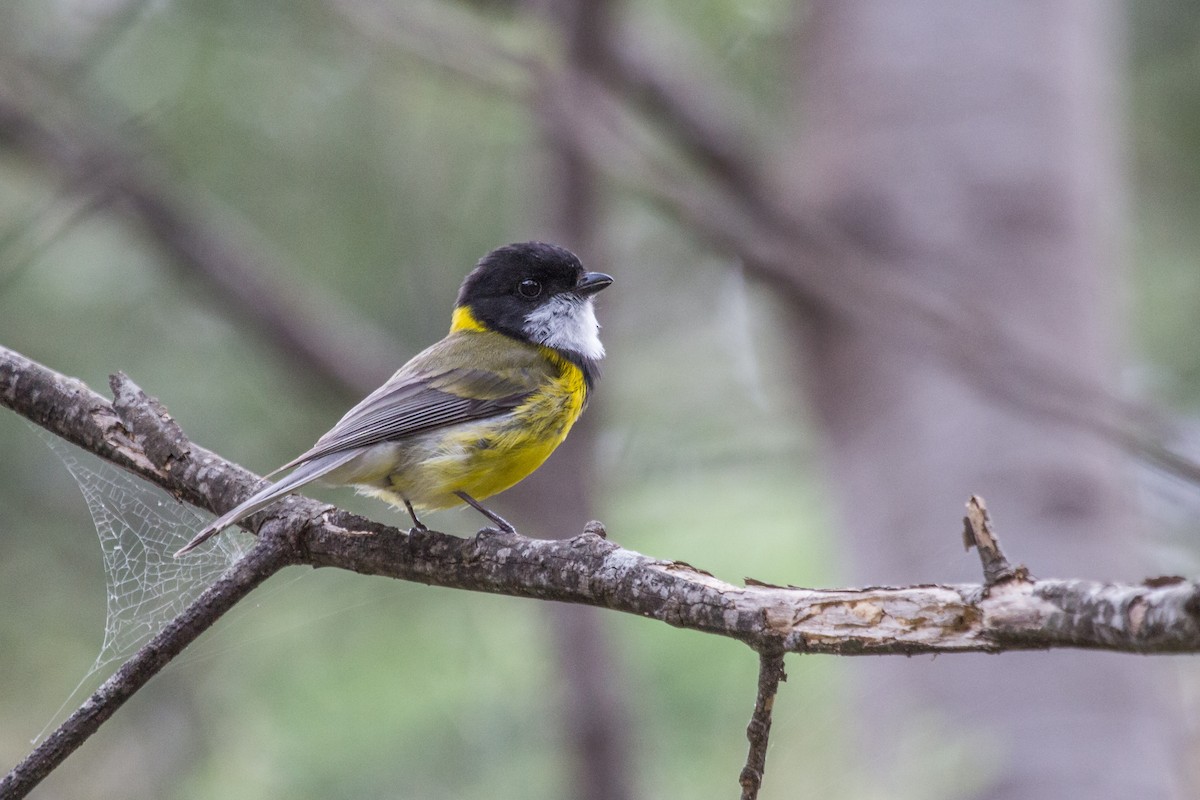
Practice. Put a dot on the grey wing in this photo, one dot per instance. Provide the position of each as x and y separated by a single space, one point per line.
407 405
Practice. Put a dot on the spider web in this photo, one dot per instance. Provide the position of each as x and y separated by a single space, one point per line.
140 527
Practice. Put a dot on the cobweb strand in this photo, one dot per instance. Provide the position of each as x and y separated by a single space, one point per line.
140 527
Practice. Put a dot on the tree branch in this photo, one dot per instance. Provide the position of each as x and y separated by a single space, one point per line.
136 433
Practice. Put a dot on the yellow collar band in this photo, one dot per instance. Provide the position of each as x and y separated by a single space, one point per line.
463 320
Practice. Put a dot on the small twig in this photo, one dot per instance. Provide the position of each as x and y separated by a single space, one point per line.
153 429
978 533
770 673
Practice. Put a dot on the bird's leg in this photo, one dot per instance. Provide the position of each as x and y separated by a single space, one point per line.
499 521
417 524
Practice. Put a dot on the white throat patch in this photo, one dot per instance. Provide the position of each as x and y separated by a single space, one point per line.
566 322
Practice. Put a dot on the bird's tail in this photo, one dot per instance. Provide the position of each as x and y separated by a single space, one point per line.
303 474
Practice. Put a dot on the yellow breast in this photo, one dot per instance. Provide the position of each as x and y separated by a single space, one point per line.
484 457
497 458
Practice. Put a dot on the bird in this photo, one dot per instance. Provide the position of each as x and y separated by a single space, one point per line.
474 413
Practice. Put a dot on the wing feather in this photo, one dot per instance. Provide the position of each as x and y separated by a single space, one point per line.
437 389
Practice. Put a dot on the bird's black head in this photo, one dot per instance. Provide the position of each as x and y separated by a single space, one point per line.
537 293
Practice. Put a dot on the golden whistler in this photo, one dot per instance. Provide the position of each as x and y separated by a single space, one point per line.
476 412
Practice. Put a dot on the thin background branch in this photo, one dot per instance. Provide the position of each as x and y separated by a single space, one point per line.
720 195
315 329
703 175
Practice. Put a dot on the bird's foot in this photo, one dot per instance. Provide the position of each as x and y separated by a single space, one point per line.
417 526
501 523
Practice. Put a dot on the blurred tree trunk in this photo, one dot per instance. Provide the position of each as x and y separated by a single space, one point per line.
971 147
592 709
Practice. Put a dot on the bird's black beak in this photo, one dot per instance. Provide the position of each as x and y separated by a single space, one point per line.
592 282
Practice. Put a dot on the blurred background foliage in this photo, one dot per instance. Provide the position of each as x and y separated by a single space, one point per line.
357 167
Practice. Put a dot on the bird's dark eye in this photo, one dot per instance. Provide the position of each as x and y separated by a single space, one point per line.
529 288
